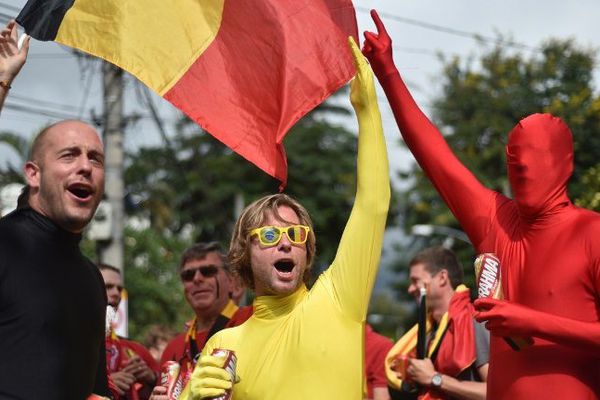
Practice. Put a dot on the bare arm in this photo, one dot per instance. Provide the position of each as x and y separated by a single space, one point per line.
422 371
467 390
12 58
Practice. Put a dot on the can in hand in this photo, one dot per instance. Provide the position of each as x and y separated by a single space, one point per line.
489 284
229 365
487 276
172 379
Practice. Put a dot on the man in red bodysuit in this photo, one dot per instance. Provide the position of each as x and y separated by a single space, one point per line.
549 248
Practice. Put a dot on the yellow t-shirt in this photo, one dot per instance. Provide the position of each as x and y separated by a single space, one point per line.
309 345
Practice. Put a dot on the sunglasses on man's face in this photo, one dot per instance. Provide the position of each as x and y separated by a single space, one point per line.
207 271
271 235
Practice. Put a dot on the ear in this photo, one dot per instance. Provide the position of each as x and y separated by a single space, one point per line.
32 174
444 278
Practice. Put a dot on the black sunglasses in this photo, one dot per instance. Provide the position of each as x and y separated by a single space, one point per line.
207 271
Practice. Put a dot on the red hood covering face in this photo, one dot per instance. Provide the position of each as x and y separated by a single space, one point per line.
539 157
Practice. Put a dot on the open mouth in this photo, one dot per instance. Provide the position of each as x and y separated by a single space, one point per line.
284 266
82 192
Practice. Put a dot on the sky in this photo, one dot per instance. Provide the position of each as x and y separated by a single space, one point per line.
55 84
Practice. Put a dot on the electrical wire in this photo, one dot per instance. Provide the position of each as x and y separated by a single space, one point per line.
40 111
43 103
10 7
451 31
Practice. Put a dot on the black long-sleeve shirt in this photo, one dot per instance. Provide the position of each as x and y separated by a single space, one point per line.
52 313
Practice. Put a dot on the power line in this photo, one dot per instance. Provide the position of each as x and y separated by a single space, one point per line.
39 111
415 50
6 16
451 31
43 103
7 115
9 7
49 56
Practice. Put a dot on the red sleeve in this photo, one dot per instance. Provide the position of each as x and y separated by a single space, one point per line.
240 316
376 349
471 203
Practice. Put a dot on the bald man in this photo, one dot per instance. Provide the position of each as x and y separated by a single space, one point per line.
52 299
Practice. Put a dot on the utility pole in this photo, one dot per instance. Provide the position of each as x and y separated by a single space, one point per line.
112 250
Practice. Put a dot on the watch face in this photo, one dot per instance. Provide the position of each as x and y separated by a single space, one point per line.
436 380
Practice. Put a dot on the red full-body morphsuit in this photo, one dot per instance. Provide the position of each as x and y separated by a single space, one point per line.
549 249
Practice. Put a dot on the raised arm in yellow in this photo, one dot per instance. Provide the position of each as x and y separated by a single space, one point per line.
302 344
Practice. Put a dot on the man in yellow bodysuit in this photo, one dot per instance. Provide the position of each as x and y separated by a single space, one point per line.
302 344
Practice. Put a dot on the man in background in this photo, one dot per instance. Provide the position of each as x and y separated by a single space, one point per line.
208 285
130 365
457 348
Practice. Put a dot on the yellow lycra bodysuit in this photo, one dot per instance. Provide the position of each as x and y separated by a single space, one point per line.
309 345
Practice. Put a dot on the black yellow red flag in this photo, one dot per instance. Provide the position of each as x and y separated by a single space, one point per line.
244 70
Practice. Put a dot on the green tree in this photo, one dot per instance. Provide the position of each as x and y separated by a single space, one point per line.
197 181
482 100
387 315
193 184
152 279
590 198
20 147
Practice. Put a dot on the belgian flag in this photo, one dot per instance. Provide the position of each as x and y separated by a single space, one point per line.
244 70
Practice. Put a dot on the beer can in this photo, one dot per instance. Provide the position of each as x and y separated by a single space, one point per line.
229 365
171 379
489 284
487 276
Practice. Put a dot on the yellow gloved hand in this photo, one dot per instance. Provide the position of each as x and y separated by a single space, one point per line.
362 87
209 378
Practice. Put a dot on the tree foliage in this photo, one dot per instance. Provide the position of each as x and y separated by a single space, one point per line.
20 147
195 186
152 279
197 181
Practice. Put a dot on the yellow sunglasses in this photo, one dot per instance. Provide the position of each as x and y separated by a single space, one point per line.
271 235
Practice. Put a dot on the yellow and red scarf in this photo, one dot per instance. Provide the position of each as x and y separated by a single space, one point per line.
455 353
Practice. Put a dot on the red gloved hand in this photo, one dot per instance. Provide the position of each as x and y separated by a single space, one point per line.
378 49
504 318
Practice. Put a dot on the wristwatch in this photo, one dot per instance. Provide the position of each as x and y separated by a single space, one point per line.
436 380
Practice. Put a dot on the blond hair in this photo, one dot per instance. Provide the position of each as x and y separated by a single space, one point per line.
255 216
